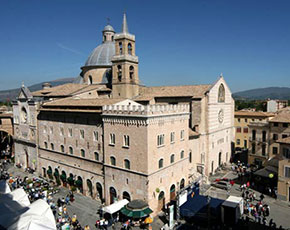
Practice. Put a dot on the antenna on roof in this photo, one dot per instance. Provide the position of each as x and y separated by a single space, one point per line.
108 21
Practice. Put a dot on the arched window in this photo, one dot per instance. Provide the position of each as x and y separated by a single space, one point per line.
113 161
131 72
129 48
182 182
221 94
45 145
172 158
96 156
121 47
90 80
83 153
126 196
119 72
52 146
127 164
62 148
71 151
105 38
181 154
160 163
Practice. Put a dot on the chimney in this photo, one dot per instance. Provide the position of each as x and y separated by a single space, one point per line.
46 85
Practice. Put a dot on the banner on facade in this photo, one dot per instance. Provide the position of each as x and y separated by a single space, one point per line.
182 198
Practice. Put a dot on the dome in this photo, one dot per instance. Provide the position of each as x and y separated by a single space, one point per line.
109 28
102 55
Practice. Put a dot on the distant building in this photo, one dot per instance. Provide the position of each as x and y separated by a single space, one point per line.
275 105
284 170
114 138
242 121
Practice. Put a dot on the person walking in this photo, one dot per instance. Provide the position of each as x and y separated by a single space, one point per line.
262 197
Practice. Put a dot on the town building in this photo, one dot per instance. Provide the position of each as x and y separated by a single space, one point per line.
114 138
274 106
242 120
25 129
284 170
6 132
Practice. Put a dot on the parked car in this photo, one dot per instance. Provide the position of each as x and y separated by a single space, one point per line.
222 185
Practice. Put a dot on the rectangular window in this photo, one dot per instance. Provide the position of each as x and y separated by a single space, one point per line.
284 136
275 150
172 137
253 148
160 140
246 120
275 136
96 135
239 120
82 133
286 153
285 125
70 132
253 135
246 130
112 139
276 124
239 129
287 171
263 149
51 129
126 141
182 135
238 141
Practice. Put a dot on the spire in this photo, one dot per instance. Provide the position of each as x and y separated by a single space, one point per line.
125 26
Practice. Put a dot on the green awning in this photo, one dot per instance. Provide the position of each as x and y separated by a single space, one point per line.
56 174
136 213
63 177
79 183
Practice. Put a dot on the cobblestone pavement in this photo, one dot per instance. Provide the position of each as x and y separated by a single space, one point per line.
84 207
279 210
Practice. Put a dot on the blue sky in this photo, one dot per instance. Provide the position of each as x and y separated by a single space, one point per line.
178 42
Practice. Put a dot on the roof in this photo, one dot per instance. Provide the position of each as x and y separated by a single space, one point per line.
282 117
60 90
82 102
285 140
102 55
115 207
109 28
253 114
194 91
88 88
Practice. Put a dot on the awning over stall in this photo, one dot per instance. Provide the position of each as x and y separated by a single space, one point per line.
115 207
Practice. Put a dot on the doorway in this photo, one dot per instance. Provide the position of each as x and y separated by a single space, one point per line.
245 144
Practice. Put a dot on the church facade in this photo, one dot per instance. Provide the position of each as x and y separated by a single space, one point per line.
113 138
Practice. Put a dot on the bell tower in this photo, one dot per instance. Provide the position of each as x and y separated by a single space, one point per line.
125 82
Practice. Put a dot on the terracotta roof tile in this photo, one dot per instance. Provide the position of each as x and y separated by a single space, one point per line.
60 90
195 91
253 114
282 117
73 102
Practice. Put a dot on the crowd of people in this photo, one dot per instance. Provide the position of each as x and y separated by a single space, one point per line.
38 188
255 208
